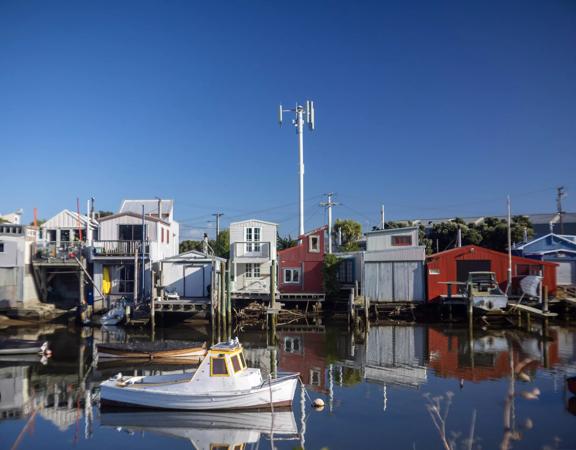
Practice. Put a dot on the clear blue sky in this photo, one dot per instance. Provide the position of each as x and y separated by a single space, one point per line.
434 108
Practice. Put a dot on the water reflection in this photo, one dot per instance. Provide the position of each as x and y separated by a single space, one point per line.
209 431
465 388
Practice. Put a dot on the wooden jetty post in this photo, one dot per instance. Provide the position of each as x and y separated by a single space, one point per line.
351 308
273 284
229 299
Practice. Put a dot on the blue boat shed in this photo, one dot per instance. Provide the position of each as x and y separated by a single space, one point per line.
557 248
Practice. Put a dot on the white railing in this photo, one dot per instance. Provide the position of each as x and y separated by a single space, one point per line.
119 248
251 250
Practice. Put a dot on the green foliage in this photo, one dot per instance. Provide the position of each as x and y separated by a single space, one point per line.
331 267
283 243
222 245
491 233
351 234
103 213
188 245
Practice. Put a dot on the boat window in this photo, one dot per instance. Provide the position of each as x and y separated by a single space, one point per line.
239 447
236 363
218 367
219 447
242 360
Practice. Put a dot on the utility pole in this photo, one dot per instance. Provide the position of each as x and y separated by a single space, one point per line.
383 224
298 122
559 196
508 287
329 204
218 215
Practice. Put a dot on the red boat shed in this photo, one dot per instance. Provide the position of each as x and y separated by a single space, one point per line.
455 264
300 268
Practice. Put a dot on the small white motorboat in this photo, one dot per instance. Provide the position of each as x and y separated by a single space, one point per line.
484 292
221 382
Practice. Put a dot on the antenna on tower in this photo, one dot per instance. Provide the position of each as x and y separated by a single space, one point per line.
299 111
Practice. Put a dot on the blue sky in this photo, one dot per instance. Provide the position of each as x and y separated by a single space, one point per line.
432 108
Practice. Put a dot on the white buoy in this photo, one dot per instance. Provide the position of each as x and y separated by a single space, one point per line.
318 403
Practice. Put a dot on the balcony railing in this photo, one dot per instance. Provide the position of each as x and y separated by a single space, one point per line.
251 250
57 251
119 248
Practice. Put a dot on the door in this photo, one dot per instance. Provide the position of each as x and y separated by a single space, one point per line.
195 281
465 266
408 281
566 273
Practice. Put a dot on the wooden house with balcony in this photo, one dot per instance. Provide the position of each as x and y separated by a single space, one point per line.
142 233
252 250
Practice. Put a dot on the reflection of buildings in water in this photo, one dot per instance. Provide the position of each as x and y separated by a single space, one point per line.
304 352
453 354
208 430
566 338
396 355
14 392
57 398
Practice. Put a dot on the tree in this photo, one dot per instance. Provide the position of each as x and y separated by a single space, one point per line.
189 245
103 213
221 246
351 233
285 242
330 269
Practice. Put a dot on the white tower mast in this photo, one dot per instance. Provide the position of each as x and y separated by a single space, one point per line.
298 122
329 204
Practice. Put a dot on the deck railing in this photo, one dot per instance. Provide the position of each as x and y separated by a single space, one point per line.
119 248
61 251
251 250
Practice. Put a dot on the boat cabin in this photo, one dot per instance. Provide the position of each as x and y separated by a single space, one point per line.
225 368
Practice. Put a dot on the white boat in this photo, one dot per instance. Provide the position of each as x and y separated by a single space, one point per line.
207 430
484 292
221 382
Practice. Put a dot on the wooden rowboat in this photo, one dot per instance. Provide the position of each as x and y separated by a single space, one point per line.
153 350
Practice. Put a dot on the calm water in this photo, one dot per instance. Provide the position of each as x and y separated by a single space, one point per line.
400 387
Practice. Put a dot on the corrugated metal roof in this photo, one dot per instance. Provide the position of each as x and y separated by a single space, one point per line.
150 206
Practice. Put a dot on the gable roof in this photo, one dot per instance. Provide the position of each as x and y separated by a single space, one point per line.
69 219
150 206
314 231
253 220
567 240
392 230
467 248
131 214
193 255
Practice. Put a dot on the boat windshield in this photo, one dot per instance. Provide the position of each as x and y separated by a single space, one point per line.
242 360
236 363
218 367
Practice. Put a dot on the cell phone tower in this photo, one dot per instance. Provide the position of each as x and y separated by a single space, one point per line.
299 113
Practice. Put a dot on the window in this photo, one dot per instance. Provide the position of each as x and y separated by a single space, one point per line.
236 363
130 232
218 367
314 244
252 270
1 247
252 235
292 276
314 377
401 241
345 272
126 279
433 271
242 360
292 344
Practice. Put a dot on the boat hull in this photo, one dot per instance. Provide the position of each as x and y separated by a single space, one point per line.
181 396
144 350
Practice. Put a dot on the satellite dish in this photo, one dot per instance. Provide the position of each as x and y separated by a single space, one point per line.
311 116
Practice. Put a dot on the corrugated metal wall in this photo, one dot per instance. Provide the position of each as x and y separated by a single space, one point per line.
394 281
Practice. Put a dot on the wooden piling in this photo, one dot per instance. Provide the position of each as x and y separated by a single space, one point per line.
545 305
273 284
